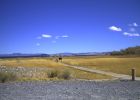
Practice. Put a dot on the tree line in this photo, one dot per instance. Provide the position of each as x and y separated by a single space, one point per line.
128 51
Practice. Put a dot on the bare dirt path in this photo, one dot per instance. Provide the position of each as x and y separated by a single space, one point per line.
115 75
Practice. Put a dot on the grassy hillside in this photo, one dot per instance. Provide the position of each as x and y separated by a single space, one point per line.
128 51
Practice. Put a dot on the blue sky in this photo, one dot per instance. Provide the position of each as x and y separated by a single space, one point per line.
53 26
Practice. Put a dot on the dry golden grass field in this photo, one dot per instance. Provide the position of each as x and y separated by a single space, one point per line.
117 64
38 68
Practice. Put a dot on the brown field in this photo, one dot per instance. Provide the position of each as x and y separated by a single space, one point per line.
117 64
37 68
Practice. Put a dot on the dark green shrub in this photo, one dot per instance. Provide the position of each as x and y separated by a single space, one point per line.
52 73
7 76
65 75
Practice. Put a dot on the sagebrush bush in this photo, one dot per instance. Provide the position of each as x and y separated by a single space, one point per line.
65 75
52 73
7 76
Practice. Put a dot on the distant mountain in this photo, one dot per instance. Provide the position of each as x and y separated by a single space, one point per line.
22 55
14 55
92 53
128 51
82 54
63 54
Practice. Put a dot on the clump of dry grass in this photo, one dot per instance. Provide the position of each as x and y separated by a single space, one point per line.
65 75
52 73
7 76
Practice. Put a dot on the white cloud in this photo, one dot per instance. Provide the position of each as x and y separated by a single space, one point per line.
38 44
114 28
46 36
135 24
50 36
132 31
65 36
131 34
